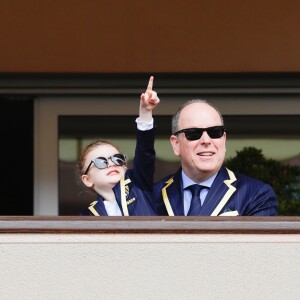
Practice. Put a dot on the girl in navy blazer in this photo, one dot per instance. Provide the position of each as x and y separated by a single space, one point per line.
121 191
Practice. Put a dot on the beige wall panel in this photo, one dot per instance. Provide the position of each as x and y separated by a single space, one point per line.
141 266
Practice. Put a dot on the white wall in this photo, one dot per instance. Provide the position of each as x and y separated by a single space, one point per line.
143 266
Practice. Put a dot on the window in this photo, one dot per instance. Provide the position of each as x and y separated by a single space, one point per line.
271 134
241 101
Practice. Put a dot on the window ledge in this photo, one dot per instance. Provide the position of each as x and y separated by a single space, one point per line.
150 225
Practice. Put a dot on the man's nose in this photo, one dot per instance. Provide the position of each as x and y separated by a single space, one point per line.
205 138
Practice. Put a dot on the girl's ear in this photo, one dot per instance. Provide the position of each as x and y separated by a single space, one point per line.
86 180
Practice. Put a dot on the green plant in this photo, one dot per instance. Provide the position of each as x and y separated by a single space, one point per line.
285 179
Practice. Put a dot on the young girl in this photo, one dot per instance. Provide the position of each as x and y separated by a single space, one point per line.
121 191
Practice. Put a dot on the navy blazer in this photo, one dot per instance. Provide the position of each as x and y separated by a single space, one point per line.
133 193
231 194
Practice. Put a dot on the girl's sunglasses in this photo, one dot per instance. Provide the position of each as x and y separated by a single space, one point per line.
193 134
102 162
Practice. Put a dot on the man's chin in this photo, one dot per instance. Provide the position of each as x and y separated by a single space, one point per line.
207 171
206 168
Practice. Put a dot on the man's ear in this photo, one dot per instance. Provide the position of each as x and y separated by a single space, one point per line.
175 144
86 180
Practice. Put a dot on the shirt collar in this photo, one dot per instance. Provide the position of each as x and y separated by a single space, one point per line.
186 181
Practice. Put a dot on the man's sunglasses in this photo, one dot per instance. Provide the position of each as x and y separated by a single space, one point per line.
193 134
102 162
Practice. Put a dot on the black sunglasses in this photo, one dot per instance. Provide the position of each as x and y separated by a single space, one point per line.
193 134
102 162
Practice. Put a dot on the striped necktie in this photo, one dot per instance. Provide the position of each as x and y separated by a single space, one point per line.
195 207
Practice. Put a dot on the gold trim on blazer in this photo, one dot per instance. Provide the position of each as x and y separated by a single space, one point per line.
124 191
92 209
232 213
166 199
130 201
228 194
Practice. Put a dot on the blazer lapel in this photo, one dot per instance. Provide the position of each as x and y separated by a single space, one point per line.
219 193
172 195
97 208
121 192
124 192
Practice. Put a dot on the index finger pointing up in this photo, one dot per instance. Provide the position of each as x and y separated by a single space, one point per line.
150 84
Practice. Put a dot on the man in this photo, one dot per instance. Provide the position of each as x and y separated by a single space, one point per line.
202 186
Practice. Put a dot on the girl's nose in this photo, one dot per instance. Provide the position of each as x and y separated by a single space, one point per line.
110 163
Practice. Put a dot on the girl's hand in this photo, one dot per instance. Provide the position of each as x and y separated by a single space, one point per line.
149 99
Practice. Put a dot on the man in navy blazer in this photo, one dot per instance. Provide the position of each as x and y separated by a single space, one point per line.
199 139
